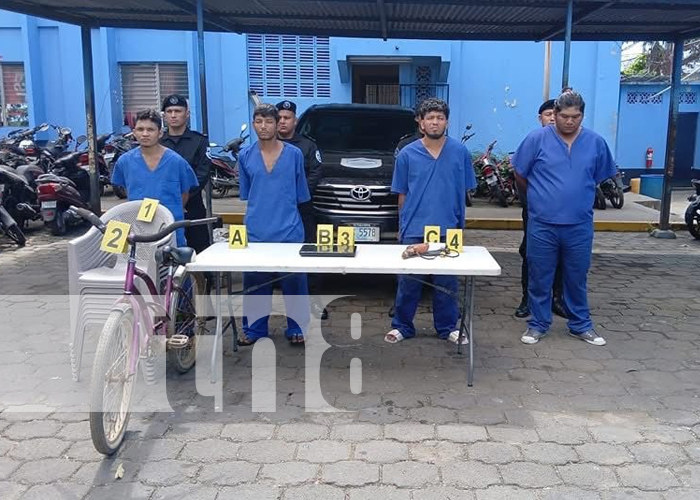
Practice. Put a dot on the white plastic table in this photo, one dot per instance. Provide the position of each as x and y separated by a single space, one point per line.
369 259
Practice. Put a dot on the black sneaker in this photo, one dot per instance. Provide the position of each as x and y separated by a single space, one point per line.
523 310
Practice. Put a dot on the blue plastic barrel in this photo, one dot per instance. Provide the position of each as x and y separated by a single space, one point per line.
652 185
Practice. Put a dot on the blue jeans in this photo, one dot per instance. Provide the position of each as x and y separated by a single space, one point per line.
258 304
408 294
571 246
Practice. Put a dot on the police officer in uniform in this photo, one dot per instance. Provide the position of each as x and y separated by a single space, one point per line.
409 138
286 131
192 146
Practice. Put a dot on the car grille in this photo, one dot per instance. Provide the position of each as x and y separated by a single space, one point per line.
337 199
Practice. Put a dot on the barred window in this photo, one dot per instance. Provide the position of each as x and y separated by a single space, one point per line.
13 96
289 65
644 98
145 85
687 98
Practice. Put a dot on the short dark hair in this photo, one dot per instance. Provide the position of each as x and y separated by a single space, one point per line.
433 104
266 111
570 99
150 115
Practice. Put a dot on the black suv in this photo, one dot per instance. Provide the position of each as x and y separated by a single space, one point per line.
357 144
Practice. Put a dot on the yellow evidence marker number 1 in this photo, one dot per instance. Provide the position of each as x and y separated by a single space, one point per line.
147 210
237 236
114 239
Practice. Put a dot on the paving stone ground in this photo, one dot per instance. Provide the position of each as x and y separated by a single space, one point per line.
558 420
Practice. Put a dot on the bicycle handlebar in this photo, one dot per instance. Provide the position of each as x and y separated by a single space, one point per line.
143 238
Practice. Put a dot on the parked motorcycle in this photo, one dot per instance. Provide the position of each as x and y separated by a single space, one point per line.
117 146
490 179
9 227
692 213
84 159
67 184
610 189
18 195
224 174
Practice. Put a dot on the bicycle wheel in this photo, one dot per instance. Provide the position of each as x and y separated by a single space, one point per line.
184 321
112 385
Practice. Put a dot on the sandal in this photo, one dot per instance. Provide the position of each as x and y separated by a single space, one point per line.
244 341
394 337
454 338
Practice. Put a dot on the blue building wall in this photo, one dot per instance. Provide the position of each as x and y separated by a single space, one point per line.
644 125
495 86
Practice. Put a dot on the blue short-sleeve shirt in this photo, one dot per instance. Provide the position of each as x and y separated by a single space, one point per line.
272 214
435 189
172 178
561 183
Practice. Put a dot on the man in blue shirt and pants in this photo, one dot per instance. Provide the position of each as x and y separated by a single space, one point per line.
272 180
431 176
559 167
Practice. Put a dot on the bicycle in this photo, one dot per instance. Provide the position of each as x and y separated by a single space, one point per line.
128 333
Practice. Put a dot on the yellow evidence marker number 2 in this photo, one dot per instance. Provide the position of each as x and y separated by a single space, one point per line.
114 239
237 236
147 210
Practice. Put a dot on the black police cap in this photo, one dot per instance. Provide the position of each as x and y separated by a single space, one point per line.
174 100
287 106
546 105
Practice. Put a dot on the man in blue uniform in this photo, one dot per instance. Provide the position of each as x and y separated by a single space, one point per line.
545 116
559 166
272 180
154 171
431 177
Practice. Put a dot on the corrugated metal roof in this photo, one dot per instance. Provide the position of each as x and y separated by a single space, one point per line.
426 19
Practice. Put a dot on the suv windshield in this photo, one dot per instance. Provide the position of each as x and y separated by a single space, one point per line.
368 130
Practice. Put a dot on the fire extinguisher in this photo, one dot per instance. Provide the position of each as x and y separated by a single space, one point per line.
650 157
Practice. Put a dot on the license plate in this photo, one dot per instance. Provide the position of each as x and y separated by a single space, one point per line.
367 234
491 181
48 204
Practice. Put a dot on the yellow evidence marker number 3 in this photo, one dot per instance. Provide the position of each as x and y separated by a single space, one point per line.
114 239
147 210
346 236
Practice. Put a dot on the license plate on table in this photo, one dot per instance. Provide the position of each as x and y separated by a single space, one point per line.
48 204
364 234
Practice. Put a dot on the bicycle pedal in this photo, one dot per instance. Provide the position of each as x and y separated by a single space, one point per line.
178 341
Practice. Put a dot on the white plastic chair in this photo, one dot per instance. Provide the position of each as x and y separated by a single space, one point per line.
96 278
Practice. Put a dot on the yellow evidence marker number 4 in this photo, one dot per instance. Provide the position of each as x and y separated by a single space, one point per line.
147 210
114 239
454 240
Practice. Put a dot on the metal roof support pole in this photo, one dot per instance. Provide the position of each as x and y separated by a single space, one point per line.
567 43
664 231
204 111
89 84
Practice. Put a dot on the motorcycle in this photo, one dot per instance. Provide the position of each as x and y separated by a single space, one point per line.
67 184
692 213
490 179
610 189
224 173
119 144
84 159
19 197
9 227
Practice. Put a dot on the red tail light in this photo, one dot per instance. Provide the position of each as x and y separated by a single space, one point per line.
109 148
48 189
30 152
488 171
84 159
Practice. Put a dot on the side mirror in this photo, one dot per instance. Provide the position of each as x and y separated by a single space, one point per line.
469 126
213 145
43 127
81 139
244 127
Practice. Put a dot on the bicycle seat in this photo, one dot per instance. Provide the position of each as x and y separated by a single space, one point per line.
172 255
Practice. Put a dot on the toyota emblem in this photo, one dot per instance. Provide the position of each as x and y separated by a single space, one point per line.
360 193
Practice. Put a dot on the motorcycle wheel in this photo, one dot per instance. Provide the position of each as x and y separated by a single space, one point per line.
58 225
499 196
218 191
692 220
617 198
600 202
119 191
15 234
